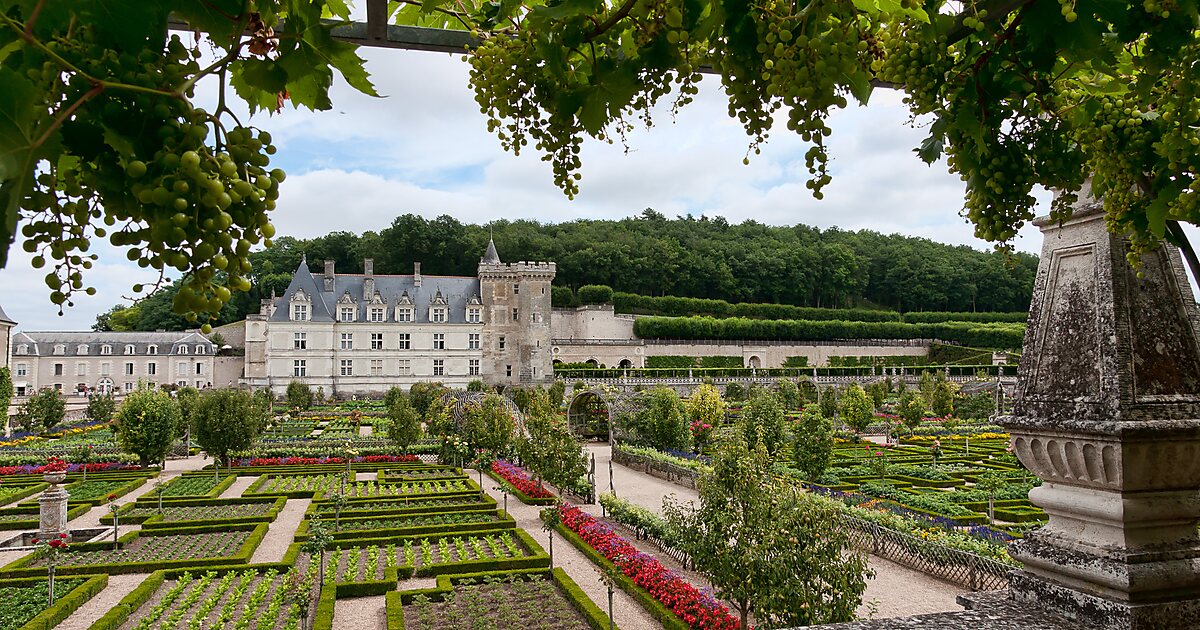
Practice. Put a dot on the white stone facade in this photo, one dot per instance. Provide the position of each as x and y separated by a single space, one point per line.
80 362
6 326
360 334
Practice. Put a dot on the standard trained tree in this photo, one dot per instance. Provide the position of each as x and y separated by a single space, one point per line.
404 426
100 407
769 551
186 398
662 421
911 408
43 410
489 426
146 422
705 410
856 409
813 448
763 419
226 420
298 395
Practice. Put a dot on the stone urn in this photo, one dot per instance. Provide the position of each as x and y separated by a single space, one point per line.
55 477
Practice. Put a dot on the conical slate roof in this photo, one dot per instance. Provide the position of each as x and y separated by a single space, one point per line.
490 257
7 320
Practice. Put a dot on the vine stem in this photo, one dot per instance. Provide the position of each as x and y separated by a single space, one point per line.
66 113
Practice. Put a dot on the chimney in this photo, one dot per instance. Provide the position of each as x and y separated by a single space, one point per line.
416 274
328 276
369 280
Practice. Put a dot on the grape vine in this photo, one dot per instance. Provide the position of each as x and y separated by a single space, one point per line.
107 143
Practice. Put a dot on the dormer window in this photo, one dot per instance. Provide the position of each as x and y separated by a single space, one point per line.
106 349
60 349
300 303
199 349
377 313
129 349
182 349
346 314
152 349
437 314
23 349
404 314
474 314
81 349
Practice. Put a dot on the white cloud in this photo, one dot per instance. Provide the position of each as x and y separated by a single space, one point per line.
424 149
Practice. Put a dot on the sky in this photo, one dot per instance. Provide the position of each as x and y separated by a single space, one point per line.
423 148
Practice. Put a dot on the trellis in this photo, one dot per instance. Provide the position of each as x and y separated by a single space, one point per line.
457 401
619 404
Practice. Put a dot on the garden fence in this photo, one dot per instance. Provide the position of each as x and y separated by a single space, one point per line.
663 470
961 567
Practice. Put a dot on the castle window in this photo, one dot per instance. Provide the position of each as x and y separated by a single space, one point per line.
199 349
473 367
405 341
404 314
377 341
376 367
473 341
405 366
129 349
347 367
437 314
299 341
347 341
439 341
22 349
22 369
81 349
474 314
105 349
346 314
58 369
508 370
501 342
129 369
152 349
377 313
152 368
300 367
299 312
516 315
439 367
81 369
516 289
60 349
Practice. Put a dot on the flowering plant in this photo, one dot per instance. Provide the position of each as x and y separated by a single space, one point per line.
55 464
696 608
517 479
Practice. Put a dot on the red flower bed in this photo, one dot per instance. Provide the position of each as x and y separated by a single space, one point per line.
517 478
29 469
697 609
308 461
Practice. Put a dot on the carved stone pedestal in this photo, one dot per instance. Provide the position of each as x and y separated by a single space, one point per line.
1108 415
52 510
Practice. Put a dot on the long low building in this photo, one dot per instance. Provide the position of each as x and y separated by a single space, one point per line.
105 362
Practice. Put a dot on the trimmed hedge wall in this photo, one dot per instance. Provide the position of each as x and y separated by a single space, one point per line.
656 608
521 496
63 606
595 618
20 566
155 521
34 520
448 528
971 334
683 307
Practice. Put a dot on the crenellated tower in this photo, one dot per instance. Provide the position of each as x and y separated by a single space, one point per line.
516 299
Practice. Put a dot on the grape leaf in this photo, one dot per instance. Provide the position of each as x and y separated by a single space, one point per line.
18 114
931 147
258 82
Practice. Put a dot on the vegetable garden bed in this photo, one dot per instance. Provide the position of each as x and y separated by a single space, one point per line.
25 600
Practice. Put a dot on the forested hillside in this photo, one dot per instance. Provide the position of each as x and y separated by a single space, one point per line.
652 255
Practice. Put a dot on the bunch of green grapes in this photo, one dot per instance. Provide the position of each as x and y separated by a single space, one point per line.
169 181
803 59
918 59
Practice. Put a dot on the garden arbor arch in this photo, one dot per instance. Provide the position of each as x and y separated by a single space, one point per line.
616 404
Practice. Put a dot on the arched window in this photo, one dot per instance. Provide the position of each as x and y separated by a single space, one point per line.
60 349
151 349
81 349
129 349
106 349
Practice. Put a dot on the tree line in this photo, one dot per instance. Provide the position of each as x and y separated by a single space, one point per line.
651 255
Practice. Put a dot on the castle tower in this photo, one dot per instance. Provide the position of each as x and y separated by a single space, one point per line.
516 300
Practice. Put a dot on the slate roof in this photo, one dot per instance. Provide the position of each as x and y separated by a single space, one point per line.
5 319
490 256
456 290
42 343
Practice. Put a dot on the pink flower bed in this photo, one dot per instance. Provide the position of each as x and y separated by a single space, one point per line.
308 461
697 609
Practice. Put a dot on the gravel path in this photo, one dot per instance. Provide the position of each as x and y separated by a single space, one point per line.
896 590
238 487
281 533
118 587
361 613
627 613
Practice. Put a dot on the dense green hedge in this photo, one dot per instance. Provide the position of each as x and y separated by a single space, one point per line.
63 606
155 521
34 520
683 307
676 361
981 335
933 317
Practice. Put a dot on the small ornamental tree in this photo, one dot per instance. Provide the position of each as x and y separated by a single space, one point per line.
911 408
878 393
299 395
392 395
856 409
43 410
829 402
422 395
146 423
556 392
662 422
404 427
942 403
975 406
476 385
186 398
763 419
83 456
927 383
767 550
318 541
705 410
788 394
813 449
51 552
489 425
100 407
991 482
226 420
734 392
